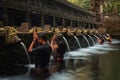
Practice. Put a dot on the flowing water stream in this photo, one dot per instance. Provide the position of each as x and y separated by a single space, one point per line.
77 41
26 52
86 40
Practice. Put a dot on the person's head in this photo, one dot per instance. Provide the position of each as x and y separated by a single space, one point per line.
42 38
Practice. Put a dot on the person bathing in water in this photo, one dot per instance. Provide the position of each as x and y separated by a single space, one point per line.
58 48
41 52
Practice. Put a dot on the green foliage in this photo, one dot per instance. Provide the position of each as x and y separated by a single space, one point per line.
82 3
110 6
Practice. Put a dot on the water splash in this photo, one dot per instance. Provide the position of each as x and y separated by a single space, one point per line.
90 50
61 76
84 53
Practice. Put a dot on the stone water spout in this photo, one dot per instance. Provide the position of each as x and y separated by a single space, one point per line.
35 28
85 31
96 31
91 31
11 38
10 35
70 32
57 30
64 30
78 32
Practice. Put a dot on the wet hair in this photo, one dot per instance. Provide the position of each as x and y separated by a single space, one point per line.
42 36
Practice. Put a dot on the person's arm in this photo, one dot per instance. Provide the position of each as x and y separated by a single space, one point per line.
31 46
35 37
54 44
52 40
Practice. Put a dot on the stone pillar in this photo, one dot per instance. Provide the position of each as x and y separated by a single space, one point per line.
71 24
63 22
93 25
78 23
27 22
42 20
5 16
89 25
54 21
84 25
27 19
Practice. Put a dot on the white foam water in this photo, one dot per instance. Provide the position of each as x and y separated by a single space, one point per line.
115 41
30 65
96 49
61 76
75 55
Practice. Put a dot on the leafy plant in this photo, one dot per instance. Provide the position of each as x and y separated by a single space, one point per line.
110 7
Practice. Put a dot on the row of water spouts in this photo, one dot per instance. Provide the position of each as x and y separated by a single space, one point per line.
66 41
86 39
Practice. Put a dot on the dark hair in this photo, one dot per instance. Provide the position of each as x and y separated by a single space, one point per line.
42 36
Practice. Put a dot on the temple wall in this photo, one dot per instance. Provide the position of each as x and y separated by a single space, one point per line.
55 13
